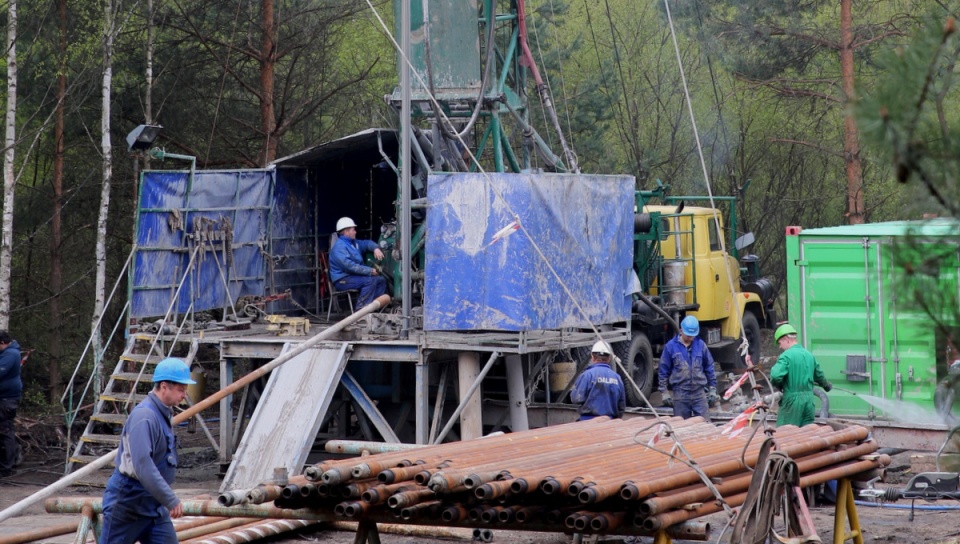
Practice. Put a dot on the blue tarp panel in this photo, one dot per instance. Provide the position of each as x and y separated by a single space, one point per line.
240 198
293 237
582 224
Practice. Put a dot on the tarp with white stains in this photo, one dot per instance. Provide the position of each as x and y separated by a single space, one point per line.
483 271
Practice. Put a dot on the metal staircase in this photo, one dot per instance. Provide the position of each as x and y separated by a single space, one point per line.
129 384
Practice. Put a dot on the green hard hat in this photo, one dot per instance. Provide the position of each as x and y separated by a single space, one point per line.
784 330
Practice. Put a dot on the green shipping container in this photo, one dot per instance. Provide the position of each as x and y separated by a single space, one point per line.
862 297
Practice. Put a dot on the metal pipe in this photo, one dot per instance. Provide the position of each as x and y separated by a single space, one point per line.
40 534
214 526
72 505
465 401
253 531
359 447
94 466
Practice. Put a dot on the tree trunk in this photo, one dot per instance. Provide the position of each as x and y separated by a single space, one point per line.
851 139
9 178
56 224
106 150
268 121
147 99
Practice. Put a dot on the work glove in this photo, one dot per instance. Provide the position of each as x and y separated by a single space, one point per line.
667 399
828 387
712 396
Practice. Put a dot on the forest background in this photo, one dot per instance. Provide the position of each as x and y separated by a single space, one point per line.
816 113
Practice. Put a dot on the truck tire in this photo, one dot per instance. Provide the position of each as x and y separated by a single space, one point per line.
751 327
638 360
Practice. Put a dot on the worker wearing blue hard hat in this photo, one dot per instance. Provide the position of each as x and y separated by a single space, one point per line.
599 390
795 373
688 382
138 503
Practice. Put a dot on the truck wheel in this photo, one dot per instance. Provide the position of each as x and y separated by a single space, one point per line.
751 327
639 362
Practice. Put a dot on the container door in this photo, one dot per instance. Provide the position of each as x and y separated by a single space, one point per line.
840 320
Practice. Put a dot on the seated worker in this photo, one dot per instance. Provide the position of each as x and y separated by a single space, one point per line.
347 270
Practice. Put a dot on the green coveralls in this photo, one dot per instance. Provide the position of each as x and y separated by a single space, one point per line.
795 374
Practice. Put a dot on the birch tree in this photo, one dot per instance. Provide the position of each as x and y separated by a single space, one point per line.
9 178
109 33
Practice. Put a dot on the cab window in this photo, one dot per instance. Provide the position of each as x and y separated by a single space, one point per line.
714 237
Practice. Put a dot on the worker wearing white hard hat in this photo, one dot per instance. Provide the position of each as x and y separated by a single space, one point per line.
599 390
347 269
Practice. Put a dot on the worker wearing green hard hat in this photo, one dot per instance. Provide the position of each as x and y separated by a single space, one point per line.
795 373
782 330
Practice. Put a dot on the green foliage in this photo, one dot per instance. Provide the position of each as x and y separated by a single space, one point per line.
909 117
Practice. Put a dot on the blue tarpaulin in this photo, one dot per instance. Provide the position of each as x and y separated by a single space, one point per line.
583 225
249 215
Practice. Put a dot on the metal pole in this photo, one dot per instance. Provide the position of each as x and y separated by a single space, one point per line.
405 165
516 394
66 481
466 398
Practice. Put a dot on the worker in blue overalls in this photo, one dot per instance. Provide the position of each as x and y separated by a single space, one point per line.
347 270
688 382
138 503
599 390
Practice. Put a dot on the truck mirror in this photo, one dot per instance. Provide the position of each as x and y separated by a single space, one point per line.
744 241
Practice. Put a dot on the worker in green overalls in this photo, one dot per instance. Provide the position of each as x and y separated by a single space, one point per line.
795 373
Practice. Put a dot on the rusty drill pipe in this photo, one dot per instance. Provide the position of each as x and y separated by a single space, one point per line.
493 490
377 463
844 470
685 475
231 498
72 505
606 521
380 493
454 513
254 531
357 489
528 513
90 468
212 527
180 525
401 474
491 515
426 509
409 498
739 483
40 534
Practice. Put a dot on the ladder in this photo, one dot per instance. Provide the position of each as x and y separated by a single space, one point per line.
133 373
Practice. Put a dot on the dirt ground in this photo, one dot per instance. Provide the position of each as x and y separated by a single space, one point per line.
44 464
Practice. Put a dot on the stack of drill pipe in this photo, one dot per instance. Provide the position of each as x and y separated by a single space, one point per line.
600 476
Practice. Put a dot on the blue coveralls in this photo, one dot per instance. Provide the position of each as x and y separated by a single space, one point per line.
138 498
687 372
347 270
11 389
600 391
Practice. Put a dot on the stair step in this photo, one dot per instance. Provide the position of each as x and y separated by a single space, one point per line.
120 396
108 439
141 357
87 459
113 419
146 377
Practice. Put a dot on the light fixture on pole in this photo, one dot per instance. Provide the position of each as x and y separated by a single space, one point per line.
142 137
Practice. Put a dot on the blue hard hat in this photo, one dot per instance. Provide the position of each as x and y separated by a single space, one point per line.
174 370
690 326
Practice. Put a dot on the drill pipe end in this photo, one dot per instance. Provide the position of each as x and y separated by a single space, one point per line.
386 477
313 473
629 492
334 476
519 485
588 495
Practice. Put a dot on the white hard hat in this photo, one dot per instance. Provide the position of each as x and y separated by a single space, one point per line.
601 348
345 223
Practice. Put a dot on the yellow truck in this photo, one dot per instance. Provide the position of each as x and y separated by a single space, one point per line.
683 269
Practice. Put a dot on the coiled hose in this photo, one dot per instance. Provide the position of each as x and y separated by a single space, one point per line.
775 480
